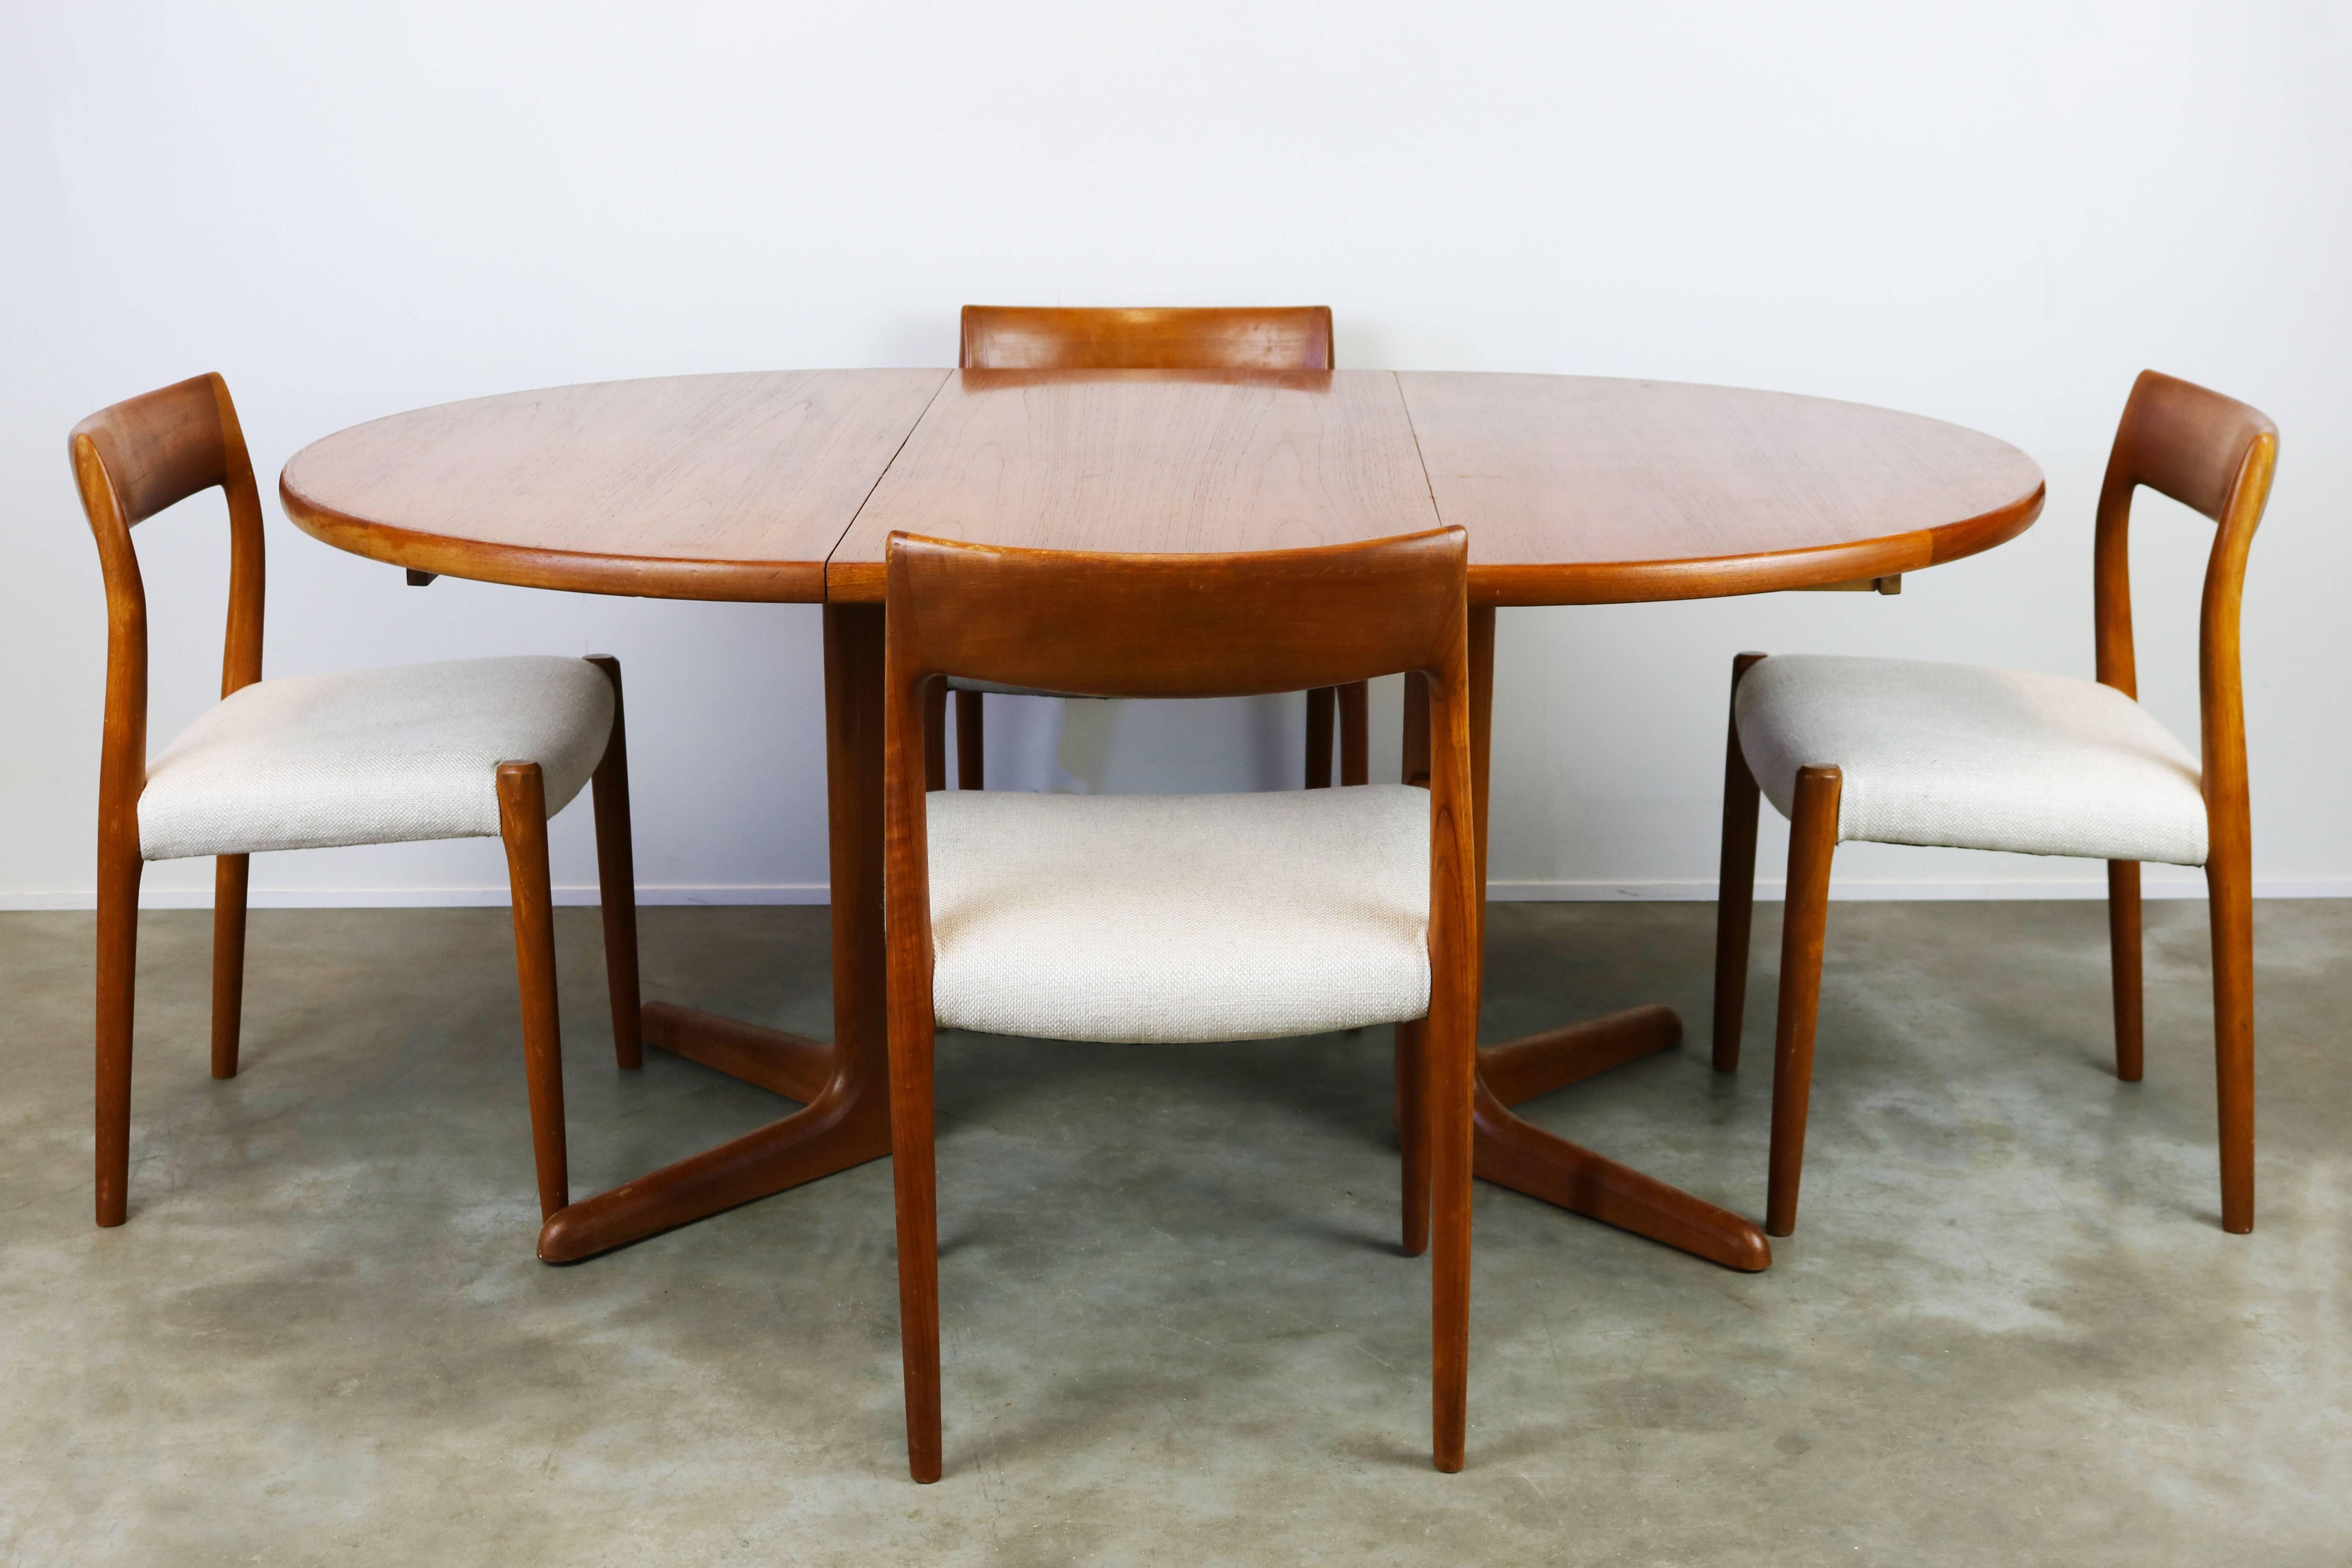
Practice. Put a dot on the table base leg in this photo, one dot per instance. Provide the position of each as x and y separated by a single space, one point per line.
842 1123
790 1064
1513 1152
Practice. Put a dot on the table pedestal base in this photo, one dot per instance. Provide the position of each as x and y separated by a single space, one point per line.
1518 1154
844 1121
844 1088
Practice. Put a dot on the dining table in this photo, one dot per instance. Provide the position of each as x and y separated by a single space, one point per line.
785 486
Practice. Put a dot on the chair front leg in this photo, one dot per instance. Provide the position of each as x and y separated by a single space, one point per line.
914 1181
1813 841
522 823
230 874
1412 1099
1734 887
2123 947
2229 880
118 871
1451 1046
616 878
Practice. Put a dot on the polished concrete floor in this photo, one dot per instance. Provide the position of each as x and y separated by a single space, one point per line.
2008 1330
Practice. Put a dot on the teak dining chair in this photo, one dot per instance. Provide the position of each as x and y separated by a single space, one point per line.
1903 752
1179 918
1293 337
461 748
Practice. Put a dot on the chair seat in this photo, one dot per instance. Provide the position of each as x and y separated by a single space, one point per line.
1973 758
372 756
1163 919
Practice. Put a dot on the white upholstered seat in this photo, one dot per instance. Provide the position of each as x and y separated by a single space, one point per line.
1179 917
1974 757
372 756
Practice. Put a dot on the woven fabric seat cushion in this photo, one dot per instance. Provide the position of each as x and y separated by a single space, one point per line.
372 756
1179 917
1974 757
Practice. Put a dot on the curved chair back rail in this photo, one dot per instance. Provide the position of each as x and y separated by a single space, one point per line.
1172 625
1016 337
1194 625
2215 456
130 461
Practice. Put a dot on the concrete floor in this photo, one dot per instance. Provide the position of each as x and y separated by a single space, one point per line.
2009 1331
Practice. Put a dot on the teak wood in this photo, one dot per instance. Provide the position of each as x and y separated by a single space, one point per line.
1514 1152
1574 489
130 461
844 1118
692 486
1194 626
1580 490
1146 462
2215 456
1298 337
1249 337
1812 493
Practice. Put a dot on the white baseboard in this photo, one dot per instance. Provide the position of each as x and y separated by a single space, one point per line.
2168 883
420 898
2187 885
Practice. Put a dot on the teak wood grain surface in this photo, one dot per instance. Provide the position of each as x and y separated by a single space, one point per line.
692 486
782 486
1147 461
1582 490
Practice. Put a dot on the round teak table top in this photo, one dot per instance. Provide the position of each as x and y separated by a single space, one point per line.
784 486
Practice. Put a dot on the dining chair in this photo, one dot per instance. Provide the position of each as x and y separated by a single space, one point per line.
467 748
1165 919
1295 337
1905 751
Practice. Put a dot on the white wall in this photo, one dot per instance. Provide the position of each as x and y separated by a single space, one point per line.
1996 215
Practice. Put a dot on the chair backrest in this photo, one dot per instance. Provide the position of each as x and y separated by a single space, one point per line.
1175 625
1012 336
130 461
2215 456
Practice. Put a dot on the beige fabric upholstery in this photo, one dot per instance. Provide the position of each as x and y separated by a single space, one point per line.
1175 918
372 756
1975 758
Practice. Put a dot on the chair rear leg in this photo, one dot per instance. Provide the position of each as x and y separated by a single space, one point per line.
118 871
1413 1130
616 878
1319 704
935 736
2124 945
1813 841
971 756
2229 888
1354 705
914 1181
1734 887
230 874
522 822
